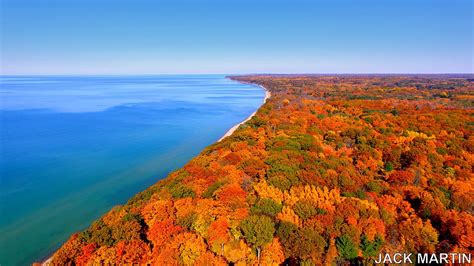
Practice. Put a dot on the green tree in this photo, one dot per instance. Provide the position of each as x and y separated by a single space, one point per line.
370 248
181 191
346 247
99 233
388 166
267 207
258 230
305 209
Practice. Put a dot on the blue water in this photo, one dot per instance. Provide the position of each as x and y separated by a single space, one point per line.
73 147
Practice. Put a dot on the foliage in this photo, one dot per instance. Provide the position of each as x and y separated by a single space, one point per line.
346 247
181 191
258 229
305 244
187 221
267 207
212 188
305 209
370 248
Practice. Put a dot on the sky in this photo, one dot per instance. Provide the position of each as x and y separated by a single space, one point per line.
235 37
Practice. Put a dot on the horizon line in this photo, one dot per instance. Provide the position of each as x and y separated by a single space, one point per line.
241 74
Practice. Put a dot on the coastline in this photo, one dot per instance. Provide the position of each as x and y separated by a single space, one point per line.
47 262
235 127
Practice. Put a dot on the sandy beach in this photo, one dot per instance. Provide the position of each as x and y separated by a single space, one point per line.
234 128
48 261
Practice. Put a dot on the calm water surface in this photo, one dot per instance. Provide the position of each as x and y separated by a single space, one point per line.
73 147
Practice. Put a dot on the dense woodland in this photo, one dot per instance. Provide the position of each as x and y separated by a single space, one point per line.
331 170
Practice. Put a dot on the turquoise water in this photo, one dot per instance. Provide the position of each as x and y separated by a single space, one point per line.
73 147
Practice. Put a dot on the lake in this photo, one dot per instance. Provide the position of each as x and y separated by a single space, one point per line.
71 147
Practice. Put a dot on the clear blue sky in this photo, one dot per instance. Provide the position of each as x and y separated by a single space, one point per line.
152 37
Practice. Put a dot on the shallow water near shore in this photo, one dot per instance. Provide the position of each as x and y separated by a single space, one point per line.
73 147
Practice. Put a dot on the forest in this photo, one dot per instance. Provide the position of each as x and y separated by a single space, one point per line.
331 170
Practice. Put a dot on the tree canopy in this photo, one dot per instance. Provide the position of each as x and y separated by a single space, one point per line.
330 169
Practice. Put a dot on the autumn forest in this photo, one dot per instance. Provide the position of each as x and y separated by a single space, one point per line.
331 170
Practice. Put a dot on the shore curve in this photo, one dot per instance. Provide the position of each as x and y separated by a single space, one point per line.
235 127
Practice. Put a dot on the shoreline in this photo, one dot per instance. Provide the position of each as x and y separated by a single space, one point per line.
235 127
48 261
229 132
